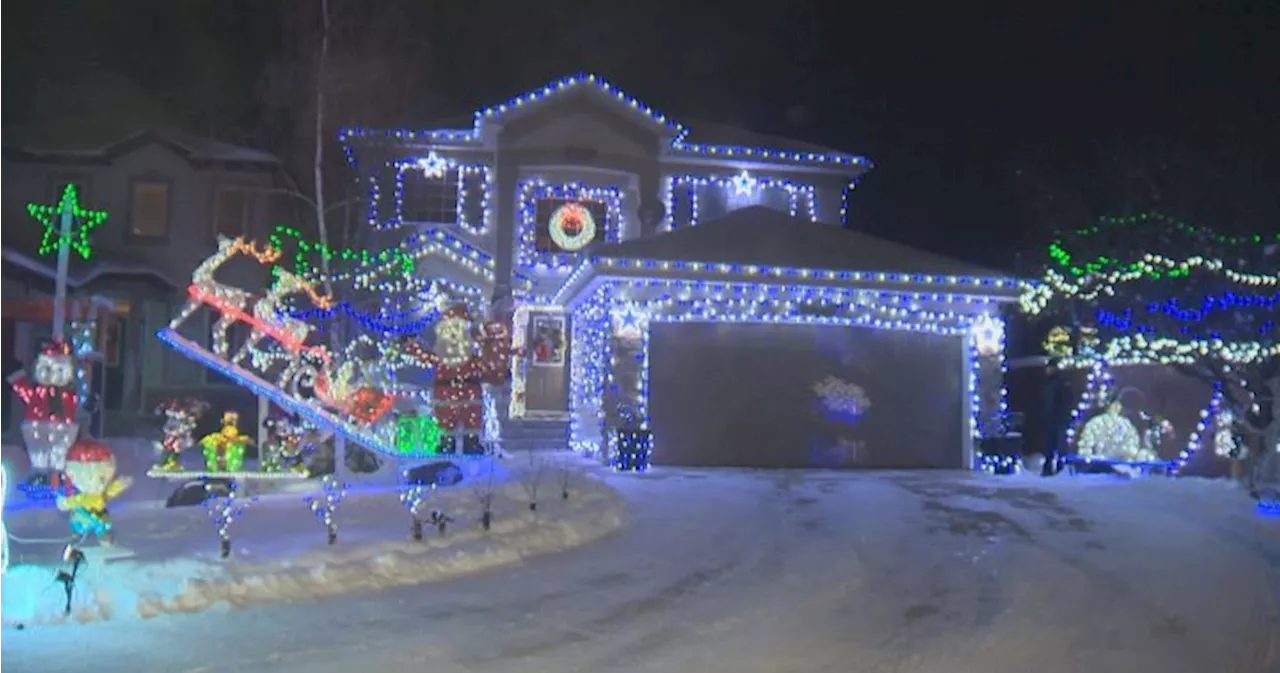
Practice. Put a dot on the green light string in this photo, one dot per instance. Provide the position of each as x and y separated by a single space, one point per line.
1060 256
306 249
50 217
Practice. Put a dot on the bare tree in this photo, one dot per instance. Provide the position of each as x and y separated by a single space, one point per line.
340 63
532 478
484 492
566 477
414 497
317 164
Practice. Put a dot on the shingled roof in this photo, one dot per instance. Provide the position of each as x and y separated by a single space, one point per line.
762 236
105 143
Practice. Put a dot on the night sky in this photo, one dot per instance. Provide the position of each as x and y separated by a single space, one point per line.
990 122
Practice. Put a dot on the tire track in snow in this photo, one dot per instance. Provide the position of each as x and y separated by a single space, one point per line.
1268 656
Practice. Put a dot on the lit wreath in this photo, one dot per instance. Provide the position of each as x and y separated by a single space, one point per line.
572 227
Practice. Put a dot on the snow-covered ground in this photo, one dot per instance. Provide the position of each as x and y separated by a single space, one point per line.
280 549
748 571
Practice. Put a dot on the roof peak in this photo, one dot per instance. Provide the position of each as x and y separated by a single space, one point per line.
678 132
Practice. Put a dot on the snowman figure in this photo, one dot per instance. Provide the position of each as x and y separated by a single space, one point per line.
49 425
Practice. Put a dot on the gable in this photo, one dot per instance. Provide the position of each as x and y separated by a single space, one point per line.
581 132
580 87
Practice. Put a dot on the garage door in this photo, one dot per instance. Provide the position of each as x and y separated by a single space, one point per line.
758 395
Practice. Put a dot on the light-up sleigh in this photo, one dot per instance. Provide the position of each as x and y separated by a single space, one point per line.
255 342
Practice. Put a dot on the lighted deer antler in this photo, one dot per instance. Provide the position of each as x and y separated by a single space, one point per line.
267 255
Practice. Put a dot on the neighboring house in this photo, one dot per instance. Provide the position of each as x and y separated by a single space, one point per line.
696 276
167 195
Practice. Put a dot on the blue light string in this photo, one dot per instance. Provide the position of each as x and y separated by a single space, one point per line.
375 322
1124 320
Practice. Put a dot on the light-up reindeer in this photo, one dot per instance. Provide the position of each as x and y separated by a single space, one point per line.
230 302
272 320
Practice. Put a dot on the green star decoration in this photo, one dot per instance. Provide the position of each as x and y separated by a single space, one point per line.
78 237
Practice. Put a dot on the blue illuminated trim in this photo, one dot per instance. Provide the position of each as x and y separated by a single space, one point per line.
995 287
531 191
593 358
474 135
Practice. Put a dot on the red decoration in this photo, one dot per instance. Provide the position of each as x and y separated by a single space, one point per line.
457 394
369 404
90 451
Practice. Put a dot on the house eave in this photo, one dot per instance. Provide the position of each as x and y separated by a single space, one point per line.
999 290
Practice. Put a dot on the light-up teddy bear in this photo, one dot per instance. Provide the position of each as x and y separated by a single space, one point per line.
91 469
224 449
465 358
49 424
180 418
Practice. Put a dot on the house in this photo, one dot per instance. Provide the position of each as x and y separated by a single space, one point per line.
167 196
693 280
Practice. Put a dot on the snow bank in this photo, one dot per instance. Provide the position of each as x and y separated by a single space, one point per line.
280 551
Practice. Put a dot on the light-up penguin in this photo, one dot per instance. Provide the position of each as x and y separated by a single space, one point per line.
91 470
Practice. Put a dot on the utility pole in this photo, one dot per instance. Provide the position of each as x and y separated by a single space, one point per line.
66 217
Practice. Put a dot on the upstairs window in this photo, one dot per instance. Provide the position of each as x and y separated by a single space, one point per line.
231 212
149 209
431 200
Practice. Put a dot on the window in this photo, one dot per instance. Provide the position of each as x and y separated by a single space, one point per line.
112 340
430 199
149 210
576 228
231 212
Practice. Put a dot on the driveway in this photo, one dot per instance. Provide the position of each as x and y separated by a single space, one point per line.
742 571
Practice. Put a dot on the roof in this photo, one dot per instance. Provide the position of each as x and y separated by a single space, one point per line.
86 274
762 236
104 140
712 133
706 139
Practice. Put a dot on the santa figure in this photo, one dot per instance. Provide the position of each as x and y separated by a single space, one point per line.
49 424
465 358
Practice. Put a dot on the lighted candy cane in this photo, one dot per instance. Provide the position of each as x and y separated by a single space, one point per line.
4 533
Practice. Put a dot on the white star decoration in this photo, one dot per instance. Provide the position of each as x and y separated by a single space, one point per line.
433 165
743 184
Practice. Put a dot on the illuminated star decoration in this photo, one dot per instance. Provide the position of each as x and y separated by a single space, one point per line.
628 322
988 334
743 184
433 165
78 237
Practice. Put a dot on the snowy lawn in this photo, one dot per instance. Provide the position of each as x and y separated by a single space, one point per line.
746 571
279 548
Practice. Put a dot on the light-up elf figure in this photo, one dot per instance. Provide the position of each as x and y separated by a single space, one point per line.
180 418
49 423
465 357
91 470
224 449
